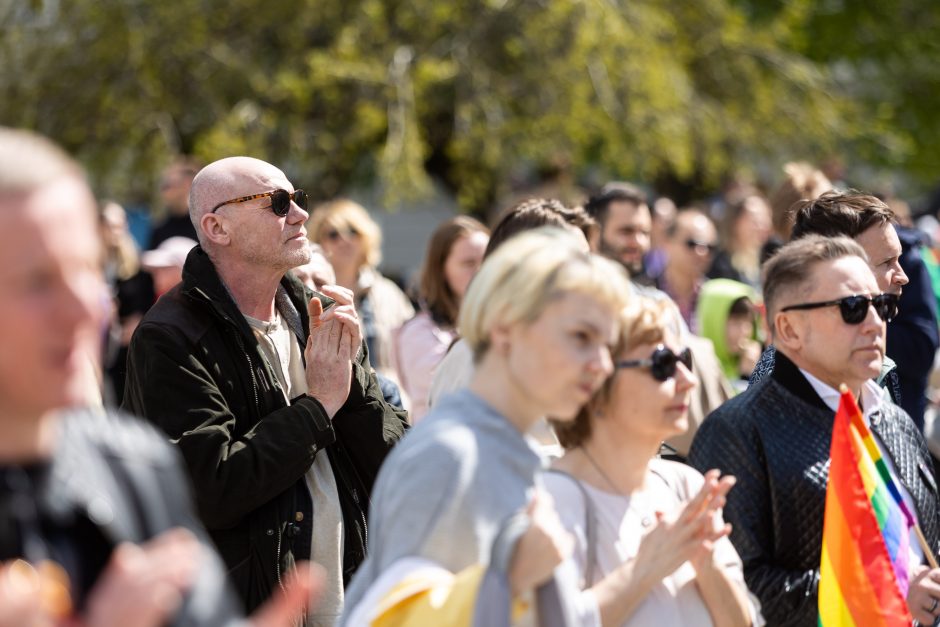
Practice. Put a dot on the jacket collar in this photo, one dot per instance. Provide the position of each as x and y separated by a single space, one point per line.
787 374
201 280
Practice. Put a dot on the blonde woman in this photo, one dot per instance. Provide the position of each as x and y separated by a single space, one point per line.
352 242
650 544
459 491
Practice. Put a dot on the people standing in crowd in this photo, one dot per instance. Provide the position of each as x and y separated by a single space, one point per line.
454 255
175 183
132 295
691 245
353 244
456 368
912 338
96 522
271 400
625 222
727 315
827 315
539 317
912 335
746 228
650 544
624 216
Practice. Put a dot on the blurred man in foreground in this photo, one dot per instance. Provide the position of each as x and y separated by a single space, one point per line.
96 524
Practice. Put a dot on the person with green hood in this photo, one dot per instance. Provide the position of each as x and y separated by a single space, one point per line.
727 315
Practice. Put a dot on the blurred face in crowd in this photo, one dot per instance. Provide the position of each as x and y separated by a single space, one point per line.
819 340
113 224
641 405
343 245
625 236
753 226
663 215
54 299
174 189
739 329
316 273
883 248
254 233
464 260
693 244
558 361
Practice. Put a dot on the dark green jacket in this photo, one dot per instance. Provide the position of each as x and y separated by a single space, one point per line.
195 370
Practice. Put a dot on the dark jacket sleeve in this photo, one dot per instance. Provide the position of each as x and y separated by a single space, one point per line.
912 338
366 425
788 597
232 473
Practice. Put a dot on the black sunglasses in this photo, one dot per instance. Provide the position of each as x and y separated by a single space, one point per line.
280 200
662 363
855 308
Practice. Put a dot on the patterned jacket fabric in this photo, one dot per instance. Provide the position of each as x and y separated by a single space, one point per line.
774 437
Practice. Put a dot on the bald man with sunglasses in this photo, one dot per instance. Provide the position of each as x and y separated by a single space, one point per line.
271 399
827 316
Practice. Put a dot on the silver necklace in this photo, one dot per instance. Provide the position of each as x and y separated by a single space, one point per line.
645 519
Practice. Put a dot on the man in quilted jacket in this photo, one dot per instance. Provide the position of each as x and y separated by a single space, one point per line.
827 317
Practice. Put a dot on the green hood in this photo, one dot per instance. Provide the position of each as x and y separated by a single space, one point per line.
714 303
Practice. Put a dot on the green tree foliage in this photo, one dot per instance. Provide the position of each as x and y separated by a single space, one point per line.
472 92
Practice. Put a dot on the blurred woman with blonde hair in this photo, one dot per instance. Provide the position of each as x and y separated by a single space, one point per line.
352 242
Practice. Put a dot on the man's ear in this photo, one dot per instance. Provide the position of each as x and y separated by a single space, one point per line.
215 229
788 330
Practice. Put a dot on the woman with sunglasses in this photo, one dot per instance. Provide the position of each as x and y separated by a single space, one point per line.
352 242
650 544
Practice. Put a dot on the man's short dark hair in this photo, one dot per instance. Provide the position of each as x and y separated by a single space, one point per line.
791 266
598 205
535 212
848 213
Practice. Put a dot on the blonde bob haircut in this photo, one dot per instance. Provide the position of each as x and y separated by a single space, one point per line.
525 274
343 214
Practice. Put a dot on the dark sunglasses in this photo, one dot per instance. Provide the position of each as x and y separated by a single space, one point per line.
701 247
662 363
280 200
334 234
855 308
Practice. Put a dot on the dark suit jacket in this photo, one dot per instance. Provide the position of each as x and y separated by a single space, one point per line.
774 437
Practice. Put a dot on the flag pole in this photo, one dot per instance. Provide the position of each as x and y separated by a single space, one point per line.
925 547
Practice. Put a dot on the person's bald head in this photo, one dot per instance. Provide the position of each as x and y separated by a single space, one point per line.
230 178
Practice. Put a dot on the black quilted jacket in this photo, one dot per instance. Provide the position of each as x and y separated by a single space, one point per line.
774 438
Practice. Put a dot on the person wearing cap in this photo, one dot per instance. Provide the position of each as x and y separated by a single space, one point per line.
827 314
165 263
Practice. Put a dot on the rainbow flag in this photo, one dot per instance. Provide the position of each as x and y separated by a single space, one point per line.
863 574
